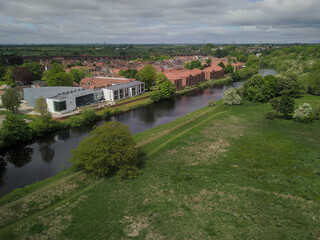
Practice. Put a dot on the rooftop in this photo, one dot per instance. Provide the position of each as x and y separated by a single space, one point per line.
124 85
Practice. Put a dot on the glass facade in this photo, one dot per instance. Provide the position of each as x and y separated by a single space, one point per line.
59 106
84 100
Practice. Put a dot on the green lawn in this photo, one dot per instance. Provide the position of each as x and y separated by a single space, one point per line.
218 173
2 83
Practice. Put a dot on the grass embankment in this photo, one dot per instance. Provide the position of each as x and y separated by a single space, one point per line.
222 172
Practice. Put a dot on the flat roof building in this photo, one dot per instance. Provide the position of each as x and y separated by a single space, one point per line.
122 91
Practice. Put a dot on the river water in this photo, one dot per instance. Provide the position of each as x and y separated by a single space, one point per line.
48 155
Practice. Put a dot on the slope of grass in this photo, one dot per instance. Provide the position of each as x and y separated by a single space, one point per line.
218 173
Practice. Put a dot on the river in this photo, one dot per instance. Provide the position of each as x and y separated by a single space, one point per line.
48 155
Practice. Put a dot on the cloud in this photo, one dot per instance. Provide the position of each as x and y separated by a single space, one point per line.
155 21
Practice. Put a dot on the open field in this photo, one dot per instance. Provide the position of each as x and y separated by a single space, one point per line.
218 173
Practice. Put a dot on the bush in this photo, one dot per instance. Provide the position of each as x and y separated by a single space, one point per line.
89 116
271 115
286 105
106 113
316 113
156 96
211 103
109 148
231 97
167 90
303 113
40 127
75 121
14 130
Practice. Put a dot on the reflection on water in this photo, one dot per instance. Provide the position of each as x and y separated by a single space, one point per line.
49 154
19 156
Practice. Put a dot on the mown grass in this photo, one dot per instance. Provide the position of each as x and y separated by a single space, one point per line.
218 173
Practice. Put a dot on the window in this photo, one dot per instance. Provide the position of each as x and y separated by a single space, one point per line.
115 97
59 106
142 88
126 92
133 91
84 100
98 96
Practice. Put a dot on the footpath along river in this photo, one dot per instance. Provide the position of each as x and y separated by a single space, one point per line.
49 155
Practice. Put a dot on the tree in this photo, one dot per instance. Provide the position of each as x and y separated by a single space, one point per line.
195 64
2 72
59 79
8 77
14 129
167 90
10 100
109 148
22 74
77 75
221 64
252 60
286 105
42 108
303 113
235 76
229 68
35 68
208 61
160 78
156 96
231 97
187 65
147 75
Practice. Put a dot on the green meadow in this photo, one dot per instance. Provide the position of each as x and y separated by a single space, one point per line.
222 172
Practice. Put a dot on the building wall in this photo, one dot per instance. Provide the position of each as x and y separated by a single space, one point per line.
70 102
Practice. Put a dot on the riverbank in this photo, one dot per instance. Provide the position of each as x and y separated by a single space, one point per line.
234 173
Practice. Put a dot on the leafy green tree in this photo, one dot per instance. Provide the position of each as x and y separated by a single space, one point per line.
160 78
10 100
59 79
260 89
147 75
77 75
109 148
8 77
229 68
36 70
2 72
14 130
221 64
195 64
286 105
252 60
42 108
235 76
167 90
156 96
208 61
187 65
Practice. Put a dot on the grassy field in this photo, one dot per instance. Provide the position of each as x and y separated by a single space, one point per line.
218 173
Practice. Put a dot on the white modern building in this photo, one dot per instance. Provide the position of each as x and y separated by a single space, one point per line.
122 91
67 99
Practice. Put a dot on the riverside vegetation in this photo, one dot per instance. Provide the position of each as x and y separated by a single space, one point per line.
221 172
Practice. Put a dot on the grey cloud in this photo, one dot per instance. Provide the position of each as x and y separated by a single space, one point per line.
142 21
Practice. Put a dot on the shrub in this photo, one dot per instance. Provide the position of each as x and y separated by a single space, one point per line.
316 113
109 148
10 100
231 97
271 115
75 121
106 113
156 96
40 127
286 105
117 111
211 103
303 113
89 116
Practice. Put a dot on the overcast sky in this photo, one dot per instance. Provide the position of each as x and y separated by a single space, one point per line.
157 21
